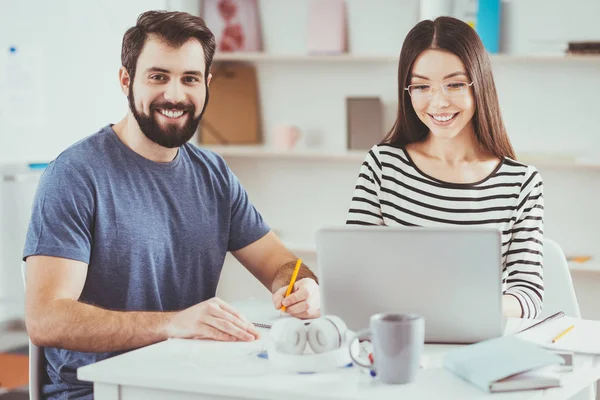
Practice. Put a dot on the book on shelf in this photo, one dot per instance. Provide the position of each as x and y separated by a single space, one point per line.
235 24
584 48
327 31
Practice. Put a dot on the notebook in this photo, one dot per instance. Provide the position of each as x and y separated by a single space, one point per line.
261 313
493 365
582 339
540 378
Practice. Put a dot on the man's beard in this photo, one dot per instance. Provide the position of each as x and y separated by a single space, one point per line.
171 135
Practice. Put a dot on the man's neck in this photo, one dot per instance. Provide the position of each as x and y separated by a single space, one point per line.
129 132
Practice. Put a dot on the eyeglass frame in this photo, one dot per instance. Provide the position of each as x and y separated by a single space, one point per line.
441 85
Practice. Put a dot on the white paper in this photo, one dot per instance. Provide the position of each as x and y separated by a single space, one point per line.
583 338
22 97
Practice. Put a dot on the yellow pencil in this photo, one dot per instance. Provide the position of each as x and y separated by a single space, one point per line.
563 333
292 281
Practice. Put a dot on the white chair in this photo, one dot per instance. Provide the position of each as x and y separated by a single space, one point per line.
559 294
37 361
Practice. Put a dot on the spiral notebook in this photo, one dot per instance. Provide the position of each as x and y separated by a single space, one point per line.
261 312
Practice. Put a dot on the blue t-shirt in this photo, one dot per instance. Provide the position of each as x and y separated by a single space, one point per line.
154 235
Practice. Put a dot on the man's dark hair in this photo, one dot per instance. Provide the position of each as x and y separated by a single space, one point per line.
175 28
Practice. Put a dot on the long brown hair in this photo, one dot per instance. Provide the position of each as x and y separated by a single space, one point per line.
456 37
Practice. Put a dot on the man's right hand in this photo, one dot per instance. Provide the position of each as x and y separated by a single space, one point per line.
212 319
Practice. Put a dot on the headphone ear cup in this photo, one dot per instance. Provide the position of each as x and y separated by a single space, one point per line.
326 334
289 335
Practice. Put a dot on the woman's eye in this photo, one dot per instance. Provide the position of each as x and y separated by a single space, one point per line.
456 86
420 88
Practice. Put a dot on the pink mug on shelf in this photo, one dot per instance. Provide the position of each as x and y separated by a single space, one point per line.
286 136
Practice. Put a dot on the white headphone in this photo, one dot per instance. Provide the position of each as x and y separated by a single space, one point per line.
291 335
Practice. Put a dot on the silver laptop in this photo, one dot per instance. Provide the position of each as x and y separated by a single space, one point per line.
451 276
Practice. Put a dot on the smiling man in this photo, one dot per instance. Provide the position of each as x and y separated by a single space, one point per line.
131 225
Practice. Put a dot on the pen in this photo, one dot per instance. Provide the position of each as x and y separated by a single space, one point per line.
559 314
292 281
563 333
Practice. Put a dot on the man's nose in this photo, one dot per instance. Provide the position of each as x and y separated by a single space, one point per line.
174 92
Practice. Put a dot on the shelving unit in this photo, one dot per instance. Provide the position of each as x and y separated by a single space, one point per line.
333 157
264 152
589 266
359 58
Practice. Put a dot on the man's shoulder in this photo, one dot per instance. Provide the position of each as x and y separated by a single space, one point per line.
209 161
88 151
205 155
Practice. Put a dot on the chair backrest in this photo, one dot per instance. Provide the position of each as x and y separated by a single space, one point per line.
559 294
37 360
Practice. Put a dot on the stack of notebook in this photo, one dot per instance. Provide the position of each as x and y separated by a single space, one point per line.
505 364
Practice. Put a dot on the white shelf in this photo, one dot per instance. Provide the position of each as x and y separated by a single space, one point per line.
358 58
267 153
266 57
262 152
590 266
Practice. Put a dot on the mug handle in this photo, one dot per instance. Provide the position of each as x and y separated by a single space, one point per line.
365 334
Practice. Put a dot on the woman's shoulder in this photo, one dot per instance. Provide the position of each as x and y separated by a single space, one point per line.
384 152
527 172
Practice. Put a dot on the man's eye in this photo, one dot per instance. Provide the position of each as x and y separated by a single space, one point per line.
191 79
157 78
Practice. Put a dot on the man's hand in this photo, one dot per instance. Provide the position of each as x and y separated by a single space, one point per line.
303 302
211 319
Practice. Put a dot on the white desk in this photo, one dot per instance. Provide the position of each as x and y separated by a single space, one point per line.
191 369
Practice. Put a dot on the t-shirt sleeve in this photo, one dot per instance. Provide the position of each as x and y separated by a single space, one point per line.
246 223
62 215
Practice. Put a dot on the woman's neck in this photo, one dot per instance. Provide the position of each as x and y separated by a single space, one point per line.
462 148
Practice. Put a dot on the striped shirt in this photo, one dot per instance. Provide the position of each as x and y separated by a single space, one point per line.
391 190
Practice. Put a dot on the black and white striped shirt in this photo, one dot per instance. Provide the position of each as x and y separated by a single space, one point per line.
391 190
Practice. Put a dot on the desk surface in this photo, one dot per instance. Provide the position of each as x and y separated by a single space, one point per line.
234 369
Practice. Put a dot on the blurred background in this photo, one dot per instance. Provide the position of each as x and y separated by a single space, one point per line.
302 89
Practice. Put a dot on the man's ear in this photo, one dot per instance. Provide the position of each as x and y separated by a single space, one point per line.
208 79
124 80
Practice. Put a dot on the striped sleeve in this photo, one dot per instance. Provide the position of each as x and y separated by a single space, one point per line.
523 269
364 207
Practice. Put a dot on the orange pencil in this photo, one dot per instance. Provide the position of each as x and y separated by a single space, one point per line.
292 281
563 333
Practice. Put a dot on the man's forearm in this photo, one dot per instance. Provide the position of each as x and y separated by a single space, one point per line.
73 325
284 275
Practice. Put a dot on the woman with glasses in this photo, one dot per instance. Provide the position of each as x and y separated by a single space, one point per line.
447 161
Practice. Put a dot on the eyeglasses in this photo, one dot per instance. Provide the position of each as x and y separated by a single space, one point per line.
424 91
